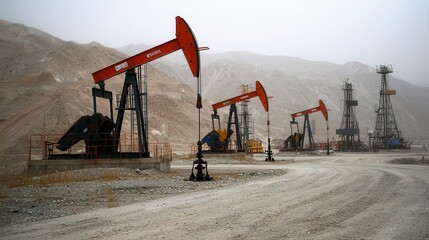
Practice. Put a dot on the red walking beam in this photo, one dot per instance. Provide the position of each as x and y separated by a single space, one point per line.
184 40
321 108
260 92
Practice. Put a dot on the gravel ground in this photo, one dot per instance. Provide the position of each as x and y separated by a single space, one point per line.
56 195
345 196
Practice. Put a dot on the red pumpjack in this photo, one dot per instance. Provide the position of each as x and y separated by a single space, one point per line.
218 140
296 140
98 130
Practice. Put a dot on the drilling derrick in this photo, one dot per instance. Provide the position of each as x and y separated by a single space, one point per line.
349 130
386 134
246 122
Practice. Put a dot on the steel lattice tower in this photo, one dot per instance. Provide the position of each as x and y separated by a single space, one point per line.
349 130
386 134
246 121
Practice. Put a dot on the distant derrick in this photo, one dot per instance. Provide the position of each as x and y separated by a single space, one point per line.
246 121
349 130
386 134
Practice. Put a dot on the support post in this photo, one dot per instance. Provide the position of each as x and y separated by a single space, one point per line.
201 164
131 81
269 152
327 137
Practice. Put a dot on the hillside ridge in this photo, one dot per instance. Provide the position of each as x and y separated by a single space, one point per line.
45 86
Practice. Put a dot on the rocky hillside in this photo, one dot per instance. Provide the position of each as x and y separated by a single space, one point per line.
45 86
297 84
25 51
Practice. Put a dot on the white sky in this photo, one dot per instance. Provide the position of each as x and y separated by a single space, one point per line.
373 32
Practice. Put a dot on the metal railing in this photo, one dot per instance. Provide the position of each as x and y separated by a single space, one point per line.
44 146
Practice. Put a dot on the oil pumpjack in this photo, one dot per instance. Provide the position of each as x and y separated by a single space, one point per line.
296 140
100 133
218 140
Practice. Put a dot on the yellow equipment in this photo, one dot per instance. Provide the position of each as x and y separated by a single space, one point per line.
254 146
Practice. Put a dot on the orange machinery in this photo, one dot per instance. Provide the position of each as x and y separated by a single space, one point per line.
184 40
296 140
218 139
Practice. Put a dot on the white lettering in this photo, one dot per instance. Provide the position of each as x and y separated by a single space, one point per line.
121 66
153 53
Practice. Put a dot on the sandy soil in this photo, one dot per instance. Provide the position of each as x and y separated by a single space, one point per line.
345 196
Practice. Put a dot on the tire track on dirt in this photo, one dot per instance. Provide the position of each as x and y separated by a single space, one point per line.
322 200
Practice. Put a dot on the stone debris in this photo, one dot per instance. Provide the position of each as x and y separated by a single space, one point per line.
65 193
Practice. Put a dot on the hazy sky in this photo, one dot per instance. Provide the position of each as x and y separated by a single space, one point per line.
373 32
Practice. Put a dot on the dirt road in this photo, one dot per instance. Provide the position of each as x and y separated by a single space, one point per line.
353 196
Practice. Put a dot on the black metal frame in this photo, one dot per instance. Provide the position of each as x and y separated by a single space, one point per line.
232 114
310 134
131 82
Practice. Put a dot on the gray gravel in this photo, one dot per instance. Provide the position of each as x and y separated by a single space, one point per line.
56 195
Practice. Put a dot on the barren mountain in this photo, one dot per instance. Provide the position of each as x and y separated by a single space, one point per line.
45 86
297 84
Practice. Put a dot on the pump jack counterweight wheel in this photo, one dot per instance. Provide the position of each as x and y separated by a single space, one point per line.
200 166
